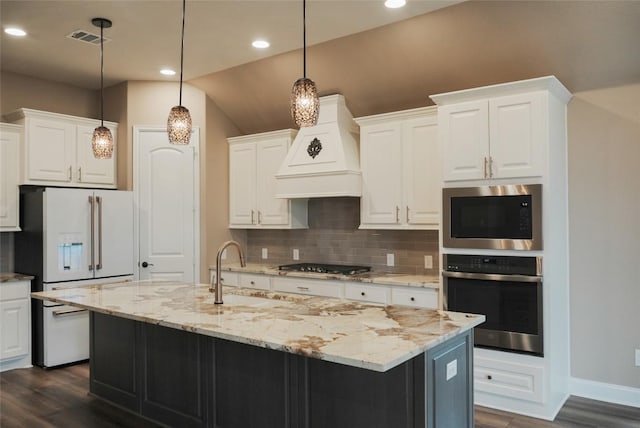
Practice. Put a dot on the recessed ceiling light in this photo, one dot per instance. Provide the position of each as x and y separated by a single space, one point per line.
15 31
167 72
394 4
260 44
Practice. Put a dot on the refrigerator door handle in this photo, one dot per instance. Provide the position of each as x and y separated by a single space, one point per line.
93 211
99 203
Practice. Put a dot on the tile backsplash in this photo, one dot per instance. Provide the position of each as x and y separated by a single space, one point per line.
333 237
6 252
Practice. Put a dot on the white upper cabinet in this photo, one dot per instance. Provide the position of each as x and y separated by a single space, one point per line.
253 163
10 136
496 132
400 164
57 150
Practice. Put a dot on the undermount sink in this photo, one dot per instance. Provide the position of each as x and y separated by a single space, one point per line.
240 300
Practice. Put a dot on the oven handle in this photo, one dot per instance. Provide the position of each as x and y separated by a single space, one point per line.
492 276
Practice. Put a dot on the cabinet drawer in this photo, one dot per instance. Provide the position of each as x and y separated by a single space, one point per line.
228 278
302 286
254 281
420 297
366 293
509 379
15 290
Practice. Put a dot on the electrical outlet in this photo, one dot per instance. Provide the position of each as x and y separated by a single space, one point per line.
637 357
428 262
390 259
265 253
224 254
296 254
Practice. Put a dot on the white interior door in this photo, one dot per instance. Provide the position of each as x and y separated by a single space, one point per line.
167 214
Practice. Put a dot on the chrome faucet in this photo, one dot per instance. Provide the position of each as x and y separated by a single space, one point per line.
217 288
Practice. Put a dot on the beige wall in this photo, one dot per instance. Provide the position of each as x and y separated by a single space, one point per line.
17 91
604 202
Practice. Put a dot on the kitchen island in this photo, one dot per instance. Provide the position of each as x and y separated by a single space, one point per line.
263 359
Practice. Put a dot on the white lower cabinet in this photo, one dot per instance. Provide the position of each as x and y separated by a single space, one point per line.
315 287
366 293
15 325
250 280
414 296
498 373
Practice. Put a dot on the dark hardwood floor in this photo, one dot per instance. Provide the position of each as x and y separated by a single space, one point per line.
58 398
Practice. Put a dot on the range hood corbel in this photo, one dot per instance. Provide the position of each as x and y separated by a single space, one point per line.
324 160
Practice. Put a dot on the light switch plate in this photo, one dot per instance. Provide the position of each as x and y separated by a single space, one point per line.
452 369
391 259
265 253
296 254
637 357
428 262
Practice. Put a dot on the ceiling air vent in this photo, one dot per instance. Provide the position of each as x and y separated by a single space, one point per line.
87 37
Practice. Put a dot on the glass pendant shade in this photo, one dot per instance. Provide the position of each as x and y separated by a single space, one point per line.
179 125
102 143
305 104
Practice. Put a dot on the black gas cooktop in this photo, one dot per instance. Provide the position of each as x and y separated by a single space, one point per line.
325 268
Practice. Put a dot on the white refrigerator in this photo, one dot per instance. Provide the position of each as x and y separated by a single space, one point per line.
71 237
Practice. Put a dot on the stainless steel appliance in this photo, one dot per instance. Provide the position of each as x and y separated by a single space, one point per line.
493 217
71 237
325 268
507 290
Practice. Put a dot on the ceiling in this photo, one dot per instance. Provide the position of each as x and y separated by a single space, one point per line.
381 60
145 35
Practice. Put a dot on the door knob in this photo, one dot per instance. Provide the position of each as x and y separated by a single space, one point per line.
145 264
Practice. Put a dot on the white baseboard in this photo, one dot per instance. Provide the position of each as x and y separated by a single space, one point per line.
608 392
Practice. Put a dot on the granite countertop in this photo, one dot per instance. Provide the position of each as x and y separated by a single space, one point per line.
382 278
374 337
12 276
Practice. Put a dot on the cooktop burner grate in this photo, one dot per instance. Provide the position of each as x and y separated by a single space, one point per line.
325 268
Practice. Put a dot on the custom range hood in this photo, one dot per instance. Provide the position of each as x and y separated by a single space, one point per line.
324 159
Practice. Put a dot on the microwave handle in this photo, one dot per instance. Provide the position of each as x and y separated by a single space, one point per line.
492 276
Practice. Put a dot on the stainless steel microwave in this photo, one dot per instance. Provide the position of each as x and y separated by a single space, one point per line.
493 217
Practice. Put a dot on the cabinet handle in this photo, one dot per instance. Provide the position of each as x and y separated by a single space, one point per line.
79 173
407 213
484 171
397 214
303 288
251 216
70 173
490 166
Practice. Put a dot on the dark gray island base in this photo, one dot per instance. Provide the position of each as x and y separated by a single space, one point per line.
184 379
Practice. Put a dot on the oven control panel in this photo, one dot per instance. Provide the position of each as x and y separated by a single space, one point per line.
506 265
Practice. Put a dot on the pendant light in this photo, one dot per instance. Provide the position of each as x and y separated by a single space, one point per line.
179 122
305 104
102 140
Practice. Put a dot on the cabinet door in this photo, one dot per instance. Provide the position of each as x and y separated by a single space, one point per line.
242 184
381 163
422 172
14 315
271 210
9 195
90 170
516 129
464 133
50 146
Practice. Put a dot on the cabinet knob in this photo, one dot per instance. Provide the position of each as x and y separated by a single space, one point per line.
413 299
253 282
489 377
362 293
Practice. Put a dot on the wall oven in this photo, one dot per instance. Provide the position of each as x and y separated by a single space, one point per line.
505 217
507 290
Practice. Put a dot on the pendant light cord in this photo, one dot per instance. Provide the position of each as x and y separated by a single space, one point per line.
184 7
101 73
304 39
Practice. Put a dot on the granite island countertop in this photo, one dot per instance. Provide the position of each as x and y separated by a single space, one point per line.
382 278
370 336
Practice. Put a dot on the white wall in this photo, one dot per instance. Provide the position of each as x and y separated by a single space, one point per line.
604 234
